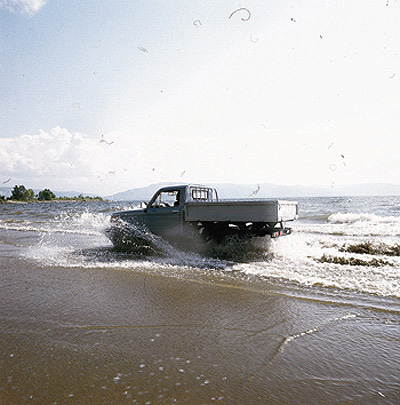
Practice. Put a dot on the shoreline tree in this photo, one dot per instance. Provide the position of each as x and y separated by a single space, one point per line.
46 194
20 193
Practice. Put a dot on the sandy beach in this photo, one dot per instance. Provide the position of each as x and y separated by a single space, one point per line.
98 336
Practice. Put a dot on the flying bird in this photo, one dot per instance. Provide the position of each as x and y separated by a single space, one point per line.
102 140
242 9
255 191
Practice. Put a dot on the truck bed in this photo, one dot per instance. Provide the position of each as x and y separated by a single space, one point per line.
266 211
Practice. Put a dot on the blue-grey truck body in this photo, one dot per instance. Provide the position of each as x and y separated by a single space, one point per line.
177 212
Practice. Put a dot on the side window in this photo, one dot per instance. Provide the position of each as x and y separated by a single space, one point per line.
167 199
156 202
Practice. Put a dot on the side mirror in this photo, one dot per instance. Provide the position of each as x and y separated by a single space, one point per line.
143 205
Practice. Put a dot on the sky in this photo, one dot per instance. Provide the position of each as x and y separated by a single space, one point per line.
104 96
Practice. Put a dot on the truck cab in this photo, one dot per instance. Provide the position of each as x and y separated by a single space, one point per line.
177 196
165 212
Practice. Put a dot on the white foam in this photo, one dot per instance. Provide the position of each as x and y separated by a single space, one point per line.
297 259
352 224
351 218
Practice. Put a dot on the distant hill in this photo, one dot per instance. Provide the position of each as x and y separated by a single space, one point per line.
5 191
138 194
267 190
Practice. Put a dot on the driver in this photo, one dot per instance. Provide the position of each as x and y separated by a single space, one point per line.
177 200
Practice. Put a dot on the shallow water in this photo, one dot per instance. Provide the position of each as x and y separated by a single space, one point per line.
83 323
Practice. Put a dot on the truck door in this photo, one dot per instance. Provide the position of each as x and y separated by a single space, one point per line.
165 214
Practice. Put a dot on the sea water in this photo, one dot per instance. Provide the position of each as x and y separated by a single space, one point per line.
314 319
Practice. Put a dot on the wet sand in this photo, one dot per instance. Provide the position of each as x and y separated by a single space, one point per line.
73 335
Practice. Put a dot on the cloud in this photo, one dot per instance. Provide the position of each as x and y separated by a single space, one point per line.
63 160
23 6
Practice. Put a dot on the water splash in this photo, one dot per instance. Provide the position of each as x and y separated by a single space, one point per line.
76 239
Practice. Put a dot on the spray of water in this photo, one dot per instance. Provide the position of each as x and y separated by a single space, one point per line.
353 260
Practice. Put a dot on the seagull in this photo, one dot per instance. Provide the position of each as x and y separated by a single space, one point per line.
102 140
256 190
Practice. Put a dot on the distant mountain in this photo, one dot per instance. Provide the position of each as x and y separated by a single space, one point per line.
138 194
70 194
267 190
6 191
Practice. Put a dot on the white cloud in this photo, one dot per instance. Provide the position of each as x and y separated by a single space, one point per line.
23 6
63 160
108 163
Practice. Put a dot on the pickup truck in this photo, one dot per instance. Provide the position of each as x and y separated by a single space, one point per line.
186 215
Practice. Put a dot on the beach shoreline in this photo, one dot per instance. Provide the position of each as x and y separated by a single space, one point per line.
55 200
118 336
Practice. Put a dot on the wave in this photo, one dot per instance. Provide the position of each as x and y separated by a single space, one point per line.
315 218
352 218
352 224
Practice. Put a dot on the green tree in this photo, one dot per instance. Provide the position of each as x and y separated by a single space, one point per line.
46 194
30 195
19 193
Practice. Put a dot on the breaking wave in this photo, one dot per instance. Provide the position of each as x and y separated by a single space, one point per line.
352 218
353 224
